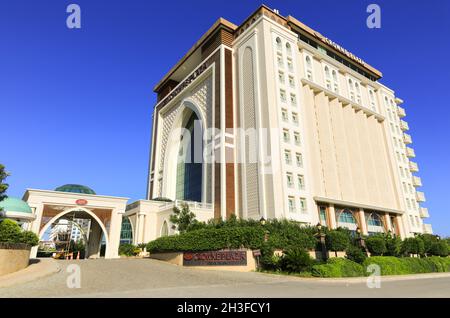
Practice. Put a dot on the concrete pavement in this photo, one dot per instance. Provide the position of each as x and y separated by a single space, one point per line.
151 278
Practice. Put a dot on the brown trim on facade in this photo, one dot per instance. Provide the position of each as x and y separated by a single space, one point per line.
229 124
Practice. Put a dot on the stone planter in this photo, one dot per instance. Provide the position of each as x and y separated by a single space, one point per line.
13 257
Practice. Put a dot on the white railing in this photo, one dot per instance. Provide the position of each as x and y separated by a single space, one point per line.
427 228
413 166
191 204
401 111
424 212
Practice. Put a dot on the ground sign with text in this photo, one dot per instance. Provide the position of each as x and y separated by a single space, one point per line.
218 258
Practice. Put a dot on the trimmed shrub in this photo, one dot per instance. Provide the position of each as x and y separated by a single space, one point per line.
428 241
338 267
439 248
390 265
296 260
210 239
128 249
10 232
337 241
355 254
376 245
412 245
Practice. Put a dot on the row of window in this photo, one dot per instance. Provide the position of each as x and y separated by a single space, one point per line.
291 182
287 137
298 158
285 117
415 221
292 206
331 81
292 99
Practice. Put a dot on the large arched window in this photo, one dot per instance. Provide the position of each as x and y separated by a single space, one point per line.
164 229
346 219
189 170
126 232
374 224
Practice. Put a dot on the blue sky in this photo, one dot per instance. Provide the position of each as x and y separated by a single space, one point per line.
75 105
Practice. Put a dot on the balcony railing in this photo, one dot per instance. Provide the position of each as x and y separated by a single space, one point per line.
407 139
427 228
404 125
417 182
413 166
191 204
401 112
420 196
410 152
424 212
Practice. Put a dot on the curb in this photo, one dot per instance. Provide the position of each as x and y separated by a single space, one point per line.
44 267
358 280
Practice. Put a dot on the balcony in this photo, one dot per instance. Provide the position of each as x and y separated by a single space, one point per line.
417 182
420 196
404 125
410 152
424 212
407 139
427 229
401 111
413 166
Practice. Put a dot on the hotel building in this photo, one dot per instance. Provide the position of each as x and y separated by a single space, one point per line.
288 125
331 140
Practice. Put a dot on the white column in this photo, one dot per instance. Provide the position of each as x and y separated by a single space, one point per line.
35 226
112 249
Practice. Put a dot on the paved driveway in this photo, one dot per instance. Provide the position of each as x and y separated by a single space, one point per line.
151 278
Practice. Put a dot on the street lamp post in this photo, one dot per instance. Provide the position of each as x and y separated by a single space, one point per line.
321 237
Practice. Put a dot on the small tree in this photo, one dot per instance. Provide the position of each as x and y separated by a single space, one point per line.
428 241
393 245
337 241
3 186
376 245
183 219
439 248
412 245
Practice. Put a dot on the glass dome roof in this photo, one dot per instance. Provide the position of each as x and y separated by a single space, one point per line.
11 204
75 188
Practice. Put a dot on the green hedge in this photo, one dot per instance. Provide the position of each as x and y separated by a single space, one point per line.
210 239
10 232
338 267
390 265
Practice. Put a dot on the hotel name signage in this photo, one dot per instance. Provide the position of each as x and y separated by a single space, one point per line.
180 87
342 50
215 258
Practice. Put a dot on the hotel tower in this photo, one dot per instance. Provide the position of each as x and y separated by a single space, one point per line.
289 125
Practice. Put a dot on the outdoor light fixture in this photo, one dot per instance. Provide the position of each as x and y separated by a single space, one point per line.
319 226
262 221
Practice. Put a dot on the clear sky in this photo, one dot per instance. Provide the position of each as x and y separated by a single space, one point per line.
75 105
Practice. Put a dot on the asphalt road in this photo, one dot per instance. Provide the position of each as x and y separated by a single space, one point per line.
151 278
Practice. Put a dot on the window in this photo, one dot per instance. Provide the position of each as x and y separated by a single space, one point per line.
281 77
358 93
283 95
327 77
293 100
351 89
408 203
279 61
295 118
373 106
284 115
346 216
299 159
164 229
291 204
297 138
291 81
286 135
323 215
290 65
374 224
301 182
335 81
290 182
278 43
287 157
308 68
411 220
303 206
288 49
